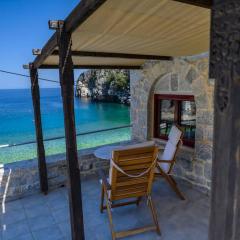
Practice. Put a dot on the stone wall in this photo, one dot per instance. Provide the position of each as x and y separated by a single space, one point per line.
187 75
19 179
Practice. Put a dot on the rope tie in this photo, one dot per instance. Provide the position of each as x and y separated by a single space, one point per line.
134 176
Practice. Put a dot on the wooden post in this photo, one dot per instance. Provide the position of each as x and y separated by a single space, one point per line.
67 88
225 69
38 127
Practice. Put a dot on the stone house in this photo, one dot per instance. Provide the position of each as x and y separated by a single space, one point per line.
185 76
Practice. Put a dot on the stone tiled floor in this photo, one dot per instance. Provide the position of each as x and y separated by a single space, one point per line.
41 217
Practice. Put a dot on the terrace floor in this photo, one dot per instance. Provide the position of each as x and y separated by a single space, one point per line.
42 217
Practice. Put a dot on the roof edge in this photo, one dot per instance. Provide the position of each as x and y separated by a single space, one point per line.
198 3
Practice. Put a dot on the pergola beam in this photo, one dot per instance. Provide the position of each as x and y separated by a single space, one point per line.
46 51
115 55
94 67
198 3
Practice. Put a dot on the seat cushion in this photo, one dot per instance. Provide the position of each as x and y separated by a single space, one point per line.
167 155
174 135
170 148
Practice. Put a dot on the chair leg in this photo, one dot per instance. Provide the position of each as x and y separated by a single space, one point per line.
172 183
138 200
109 215
154 215
102 199
173 179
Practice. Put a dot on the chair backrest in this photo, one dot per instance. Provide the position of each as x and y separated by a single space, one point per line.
133 161
169 153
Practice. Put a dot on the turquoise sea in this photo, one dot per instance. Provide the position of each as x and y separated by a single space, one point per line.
17 123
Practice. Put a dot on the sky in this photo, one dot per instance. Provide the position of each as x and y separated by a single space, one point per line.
24 26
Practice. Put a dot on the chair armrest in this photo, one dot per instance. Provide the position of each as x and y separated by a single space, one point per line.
104 179
164 161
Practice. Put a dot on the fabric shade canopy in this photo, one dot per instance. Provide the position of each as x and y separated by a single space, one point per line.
146 27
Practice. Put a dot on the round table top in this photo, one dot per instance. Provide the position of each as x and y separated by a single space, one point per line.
105 152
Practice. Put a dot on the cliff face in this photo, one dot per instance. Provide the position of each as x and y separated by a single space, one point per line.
104 85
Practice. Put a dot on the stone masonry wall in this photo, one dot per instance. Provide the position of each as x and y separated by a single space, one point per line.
19 179
187 75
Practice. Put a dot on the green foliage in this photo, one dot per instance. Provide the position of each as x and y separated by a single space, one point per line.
118 81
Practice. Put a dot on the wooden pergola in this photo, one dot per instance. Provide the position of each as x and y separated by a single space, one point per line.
124 34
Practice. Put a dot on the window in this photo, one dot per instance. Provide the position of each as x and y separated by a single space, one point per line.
178 109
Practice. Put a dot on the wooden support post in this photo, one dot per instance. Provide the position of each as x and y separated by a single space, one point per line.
67 88
225 69
38 127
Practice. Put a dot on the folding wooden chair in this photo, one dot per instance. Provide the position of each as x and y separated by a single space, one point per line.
168 158
131 175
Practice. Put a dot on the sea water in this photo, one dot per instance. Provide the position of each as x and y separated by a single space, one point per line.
17 123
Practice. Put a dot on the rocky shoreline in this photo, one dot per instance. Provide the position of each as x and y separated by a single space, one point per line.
104 86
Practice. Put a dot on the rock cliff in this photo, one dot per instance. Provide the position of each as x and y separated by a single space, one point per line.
104 85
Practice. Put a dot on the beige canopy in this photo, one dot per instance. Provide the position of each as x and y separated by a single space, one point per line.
156 28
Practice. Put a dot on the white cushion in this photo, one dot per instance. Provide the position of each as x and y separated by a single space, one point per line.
170 148
167 155
174 135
